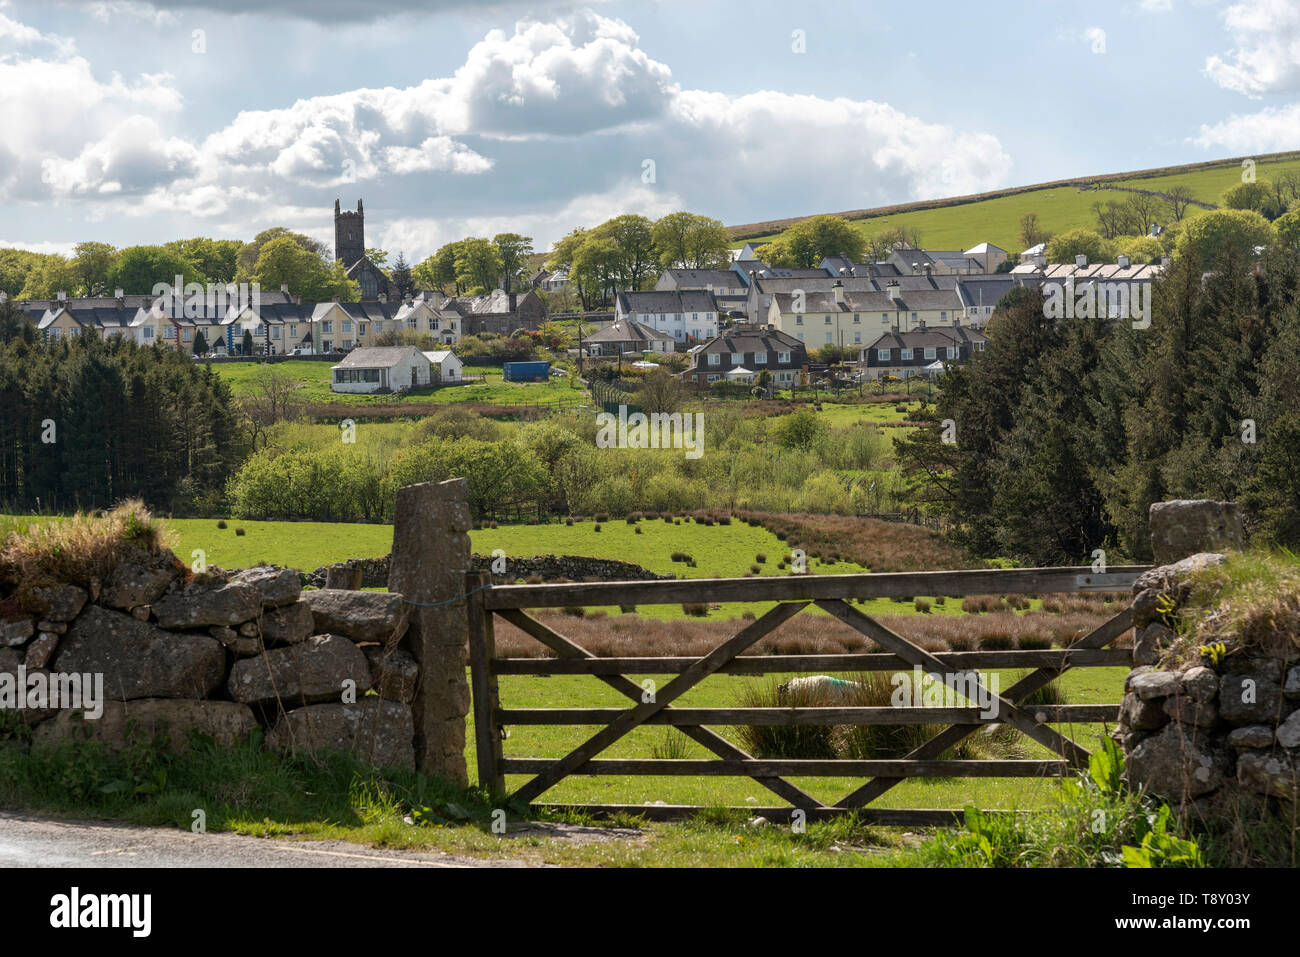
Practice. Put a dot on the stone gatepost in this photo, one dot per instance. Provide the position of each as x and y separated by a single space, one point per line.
1189 526
431 555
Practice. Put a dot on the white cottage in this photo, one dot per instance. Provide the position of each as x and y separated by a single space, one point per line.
446 367
389 369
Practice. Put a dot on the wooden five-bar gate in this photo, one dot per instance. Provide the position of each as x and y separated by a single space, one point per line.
793 594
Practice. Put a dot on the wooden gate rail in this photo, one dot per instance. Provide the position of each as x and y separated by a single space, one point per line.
831 593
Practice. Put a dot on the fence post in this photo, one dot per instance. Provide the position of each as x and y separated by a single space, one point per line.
431 556
482 649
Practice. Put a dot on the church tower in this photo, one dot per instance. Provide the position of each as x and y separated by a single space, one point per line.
349 234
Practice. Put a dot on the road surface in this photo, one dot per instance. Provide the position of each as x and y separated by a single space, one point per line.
30 841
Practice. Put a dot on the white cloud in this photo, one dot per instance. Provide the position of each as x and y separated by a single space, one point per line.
1270 130
335 11
539 130
1266 55
106 10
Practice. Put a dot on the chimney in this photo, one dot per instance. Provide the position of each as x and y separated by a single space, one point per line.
892 290
838 289
61 296
916 269
1164 262
297 300
1081 261
118 295
284 288
514 299
1123 262
4 296
334 298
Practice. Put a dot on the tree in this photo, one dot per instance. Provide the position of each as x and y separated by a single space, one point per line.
1257 196
1288 229
881 244
51 275
91 262
216 259
284 260
1064 247
1178 199
1031 231
139 268
401 277
439 270
15 264
808 242
478 265
1224 232
596 269
634 243
250 252
513 251
246 348
378 256
687 241
1140 249
661 391
200 345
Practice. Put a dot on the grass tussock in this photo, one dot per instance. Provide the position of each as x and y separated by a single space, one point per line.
1251 602
872 543
82 548
876 689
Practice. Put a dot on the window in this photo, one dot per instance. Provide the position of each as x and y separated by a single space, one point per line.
293 330
361 329
882 355
857 317
148 332
979 347
327 327
187 334
829 338
800 336
798 320
713 378
783 358
433 324
914 317
715 358
737 358
929 352
346 326
905 355
943 317
275 332
347 343
857 338
169 332
828 320
760 358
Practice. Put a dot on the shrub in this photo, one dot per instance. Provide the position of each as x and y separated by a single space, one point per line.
761 558
221 523
997 642
756 569
239 531
680 557
574 610
596 528
695 609
637 529
602 517
569 520
922 606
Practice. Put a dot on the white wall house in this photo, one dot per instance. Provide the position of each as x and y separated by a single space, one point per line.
686 316
392 369
446 367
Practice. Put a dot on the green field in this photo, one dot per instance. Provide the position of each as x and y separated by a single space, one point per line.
311 382
1060 208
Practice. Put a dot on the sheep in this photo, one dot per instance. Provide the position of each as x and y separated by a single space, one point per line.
817 686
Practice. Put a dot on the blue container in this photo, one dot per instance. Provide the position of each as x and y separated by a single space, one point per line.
527 371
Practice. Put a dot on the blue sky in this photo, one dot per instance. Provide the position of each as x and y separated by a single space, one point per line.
129 122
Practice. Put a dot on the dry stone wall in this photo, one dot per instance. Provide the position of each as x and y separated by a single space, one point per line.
576 568
158 651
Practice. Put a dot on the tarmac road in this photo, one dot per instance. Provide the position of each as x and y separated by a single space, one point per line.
29 841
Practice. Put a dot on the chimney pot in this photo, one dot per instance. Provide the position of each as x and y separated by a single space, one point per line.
284 287
1081 261
1122 262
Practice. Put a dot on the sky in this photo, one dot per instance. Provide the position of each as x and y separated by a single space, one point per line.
129 122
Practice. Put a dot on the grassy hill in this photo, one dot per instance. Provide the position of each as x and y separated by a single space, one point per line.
963 221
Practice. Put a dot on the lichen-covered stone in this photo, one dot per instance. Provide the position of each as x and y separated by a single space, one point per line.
378 732
1249 699
140 660
1155 684
288 625
224 721
1177 764
276 586
363 616
1187 526
1139 715
203 605
319 669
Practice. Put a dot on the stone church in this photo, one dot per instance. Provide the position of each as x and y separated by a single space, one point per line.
350 247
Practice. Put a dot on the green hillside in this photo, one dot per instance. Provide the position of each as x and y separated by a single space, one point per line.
997 219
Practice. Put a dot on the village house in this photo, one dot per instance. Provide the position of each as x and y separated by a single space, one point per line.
686 316
500 313
447 368
391 369
743 353
920 352
623 336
